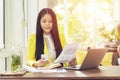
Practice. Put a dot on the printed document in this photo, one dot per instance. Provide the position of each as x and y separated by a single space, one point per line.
68 53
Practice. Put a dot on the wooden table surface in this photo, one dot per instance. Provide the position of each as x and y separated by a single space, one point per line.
102 72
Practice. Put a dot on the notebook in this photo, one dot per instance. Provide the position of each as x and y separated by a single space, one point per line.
92 59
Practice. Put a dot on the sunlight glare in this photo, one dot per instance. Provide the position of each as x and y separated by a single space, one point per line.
91 9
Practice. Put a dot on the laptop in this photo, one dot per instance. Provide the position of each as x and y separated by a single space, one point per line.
92 59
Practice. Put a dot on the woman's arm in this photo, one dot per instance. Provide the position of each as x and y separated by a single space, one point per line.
31 50
31 61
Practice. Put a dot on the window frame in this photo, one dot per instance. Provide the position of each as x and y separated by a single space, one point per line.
3 36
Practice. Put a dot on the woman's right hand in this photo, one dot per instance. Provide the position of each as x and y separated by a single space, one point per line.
72 62
40 63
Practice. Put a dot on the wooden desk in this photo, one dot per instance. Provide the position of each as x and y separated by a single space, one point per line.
106 73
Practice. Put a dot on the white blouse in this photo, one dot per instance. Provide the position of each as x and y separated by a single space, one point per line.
50 46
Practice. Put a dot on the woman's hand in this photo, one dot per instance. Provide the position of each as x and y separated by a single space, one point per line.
40 63
72 62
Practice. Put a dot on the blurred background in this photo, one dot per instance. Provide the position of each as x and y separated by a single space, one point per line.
90 22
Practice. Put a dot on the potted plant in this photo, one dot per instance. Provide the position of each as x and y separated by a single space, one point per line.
112 36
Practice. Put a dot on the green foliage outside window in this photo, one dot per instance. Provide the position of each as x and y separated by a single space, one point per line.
83 18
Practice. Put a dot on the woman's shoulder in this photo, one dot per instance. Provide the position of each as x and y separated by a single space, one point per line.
62 39
32 36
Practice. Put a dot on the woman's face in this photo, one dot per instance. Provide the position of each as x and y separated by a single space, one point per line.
46 23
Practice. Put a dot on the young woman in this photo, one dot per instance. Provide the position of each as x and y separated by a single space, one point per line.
45 41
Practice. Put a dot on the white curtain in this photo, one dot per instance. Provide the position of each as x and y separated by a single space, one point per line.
1 24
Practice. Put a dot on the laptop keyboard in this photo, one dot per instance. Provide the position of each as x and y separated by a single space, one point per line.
73 67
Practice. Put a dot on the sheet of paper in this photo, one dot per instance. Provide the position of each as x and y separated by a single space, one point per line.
33 69
54 70
30 69
67 53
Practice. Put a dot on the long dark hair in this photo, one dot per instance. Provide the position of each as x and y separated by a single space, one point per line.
39 34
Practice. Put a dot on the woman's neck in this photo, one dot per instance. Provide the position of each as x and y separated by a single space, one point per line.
46 33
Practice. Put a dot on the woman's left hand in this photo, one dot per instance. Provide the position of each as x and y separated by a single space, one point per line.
40 63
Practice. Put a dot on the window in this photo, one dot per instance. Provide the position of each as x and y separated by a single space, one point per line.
1 24
80 20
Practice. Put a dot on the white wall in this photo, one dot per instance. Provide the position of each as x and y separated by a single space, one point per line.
13 23
116 9
17 18
2 62
32 15
1 24
34 6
